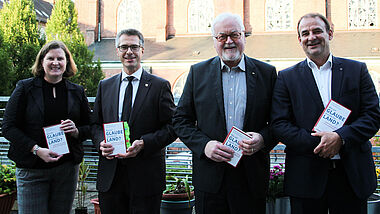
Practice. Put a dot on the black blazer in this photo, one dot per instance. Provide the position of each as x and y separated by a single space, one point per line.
150 120
297 106
24 116
200 118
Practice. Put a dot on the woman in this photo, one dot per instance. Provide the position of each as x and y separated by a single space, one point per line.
46 181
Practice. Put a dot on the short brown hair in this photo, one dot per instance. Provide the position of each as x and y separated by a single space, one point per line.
37 68
314 15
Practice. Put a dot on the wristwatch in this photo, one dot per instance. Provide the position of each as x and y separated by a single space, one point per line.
36 149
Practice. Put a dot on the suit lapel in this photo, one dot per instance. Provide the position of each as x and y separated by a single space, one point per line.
142 92
307 79
37 95
251 77
114 100
337 76
70 96
218 87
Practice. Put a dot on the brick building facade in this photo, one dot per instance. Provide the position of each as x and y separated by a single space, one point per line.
178 32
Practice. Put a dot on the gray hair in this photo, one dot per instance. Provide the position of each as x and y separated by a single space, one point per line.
129 32
224 16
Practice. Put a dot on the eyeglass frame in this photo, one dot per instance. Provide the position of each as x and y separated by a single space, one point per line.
134 46
228 35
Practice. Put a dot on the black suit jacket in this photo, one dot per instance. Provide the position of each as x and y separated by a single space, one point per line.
150 120
200 118
297 106
24 117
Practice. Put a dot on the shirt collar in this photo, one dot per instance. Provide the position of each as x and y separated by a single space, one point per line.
241 64
312 65
137 74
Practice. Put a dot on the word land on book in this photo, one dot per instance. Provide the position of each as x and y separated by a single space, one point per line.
56 139
232 141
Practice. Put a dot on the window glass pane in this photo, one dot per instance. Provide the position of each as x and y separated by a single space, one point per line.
200 16
278 15
129 15
362 14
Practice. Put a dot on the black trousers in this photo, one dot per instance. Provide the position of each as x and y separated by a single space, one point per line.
119 199
338 197
234 197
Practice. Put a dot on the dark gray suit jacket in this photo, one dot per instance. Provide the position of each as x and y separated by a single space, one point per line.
150 120
297 106
200 118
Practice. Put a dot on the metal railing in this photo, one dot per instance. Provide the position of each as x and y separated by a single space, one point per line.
178 156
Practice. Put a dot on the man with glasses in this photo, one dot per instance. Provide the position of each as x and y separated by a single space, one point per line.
228 90
133 182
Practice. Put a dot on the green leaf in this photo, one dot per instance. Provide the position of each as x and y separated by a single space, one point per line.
19 44
63 25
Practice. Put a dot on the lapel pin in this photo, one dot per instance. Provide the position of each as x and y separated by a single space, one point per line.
341 69
253 72
146 84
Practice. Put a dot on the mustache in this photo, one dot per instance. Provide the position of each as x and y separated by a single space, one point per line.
229 46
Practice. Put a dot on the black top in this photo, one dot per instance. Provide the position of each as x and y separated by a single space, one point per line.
55 107
55 110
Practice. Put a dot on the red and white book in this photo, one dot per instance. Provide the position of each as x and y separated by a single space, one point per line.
232 141
56 139
332 118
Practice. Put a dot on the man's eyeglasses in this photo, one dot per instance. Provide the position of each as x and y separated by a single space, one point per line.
222 37
124 48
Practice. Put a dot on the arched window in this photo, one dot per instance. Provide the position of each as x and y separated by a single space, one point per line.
278 15
200 16
178 86
129 15
362 14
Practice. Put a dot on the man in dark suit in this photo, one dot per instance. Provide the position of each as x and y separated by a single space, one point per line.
228 90
331 171
133 182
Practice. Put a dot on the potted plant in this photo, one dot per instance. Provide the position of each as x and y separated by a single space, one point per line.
7 187
276 200
84 169
178 198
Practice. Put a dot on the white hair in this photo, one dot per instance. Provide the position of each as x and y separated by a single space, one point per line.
224 16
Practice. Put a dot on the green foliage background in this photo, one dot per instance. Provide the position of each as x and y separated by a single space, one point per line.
63 25
7 178
20 41
6 72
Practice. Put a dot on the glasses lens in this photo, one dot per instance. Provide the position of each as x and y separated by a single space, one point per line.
124 48
221 37
134 48
235 35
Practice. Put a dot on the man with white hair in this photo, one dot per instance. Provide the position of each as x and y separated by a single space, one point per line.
228 90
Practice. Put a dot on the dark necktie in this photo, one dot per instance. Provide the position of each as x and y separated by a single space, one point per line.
127 104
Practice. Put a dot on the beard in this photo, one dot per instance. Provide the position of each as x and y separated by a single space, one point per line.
231 56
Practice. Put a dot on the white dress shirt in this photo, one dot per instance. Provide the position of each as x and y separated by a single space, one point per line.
322 77
123 86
